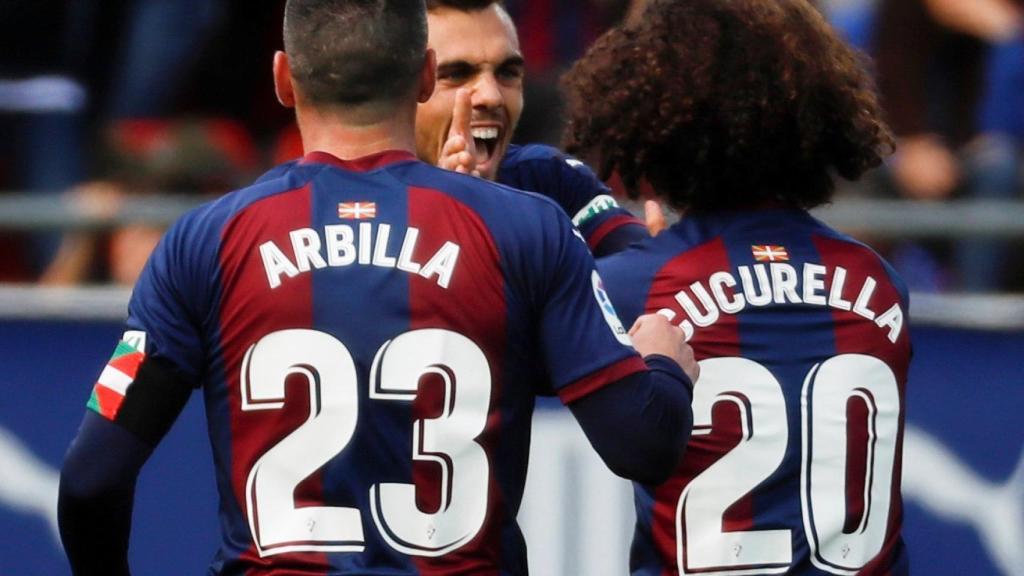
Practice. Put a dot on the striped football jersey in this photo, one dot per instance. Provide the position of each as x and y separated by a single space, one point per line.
794 463
370 336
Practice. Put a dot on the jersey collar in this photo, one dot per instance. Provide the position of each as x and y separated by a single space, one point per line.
361 164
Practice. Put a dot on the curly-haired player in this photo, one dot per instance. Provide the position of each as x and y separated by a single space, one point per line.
739 113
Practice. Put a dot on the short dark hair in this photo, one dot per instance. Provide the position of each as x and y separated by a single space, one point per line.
355 52
462 5
723 104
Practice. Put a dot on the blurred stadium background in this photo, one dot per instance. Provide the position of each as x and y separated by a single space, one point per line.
116 117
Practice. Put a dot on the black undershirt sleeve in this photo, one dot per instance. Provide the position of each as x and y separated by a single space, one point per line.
97 480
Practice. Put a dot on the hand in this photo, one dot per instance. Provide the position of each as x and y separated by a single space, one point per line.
459 150
99 199
654 218
924 168
654 334
990 20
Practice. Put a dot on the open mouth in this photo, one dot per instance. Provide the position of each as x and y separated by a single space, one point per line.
486 141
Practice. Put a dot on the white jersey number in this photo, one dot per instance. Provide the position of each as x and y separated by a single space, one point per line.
704 548
279 526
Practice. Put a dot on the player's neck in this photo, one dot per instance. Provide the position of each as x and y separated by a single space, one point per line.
331 133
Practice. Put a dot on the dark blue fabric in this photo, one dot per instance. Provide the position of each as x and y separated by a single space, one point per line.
573 186
97 492
628 422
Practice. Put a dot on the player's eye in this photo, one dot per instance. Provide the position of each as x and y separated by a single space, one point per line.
511 72
455 73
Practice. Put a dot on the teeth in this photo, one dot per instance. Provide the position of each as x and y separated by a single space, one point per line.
484 133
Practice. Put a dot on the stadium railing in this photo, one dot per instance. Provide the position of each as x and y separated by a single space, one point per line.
878 218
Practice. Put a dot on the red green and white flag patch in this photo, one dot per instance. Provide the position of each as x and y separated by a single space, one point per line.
118 375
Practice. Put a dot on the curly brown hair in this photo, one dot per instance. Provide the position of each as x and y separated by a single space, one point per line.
724 104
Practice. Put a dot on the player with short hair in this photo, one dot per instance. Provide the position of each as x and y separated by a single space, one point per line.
738 113
370 333
468 123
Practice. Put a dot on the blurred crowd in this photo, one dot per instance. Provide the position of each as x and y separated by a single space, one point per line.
100 101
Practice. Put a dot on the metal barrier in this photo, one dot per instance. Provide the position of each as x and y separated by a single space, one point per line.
875 217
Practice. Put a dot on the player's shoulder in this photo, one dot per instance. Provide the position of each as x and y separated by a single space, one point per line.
517 154
486 196
533 157
210 217
844 248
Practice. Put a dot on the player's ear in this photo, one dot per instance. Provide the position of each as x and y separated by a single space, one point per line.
428 76
283 80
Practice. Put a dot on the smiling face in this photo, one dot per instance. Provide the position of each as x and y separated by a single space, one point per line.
479 51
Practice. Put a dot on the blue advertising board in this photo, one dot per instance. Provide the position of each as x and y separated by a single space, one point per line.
963 478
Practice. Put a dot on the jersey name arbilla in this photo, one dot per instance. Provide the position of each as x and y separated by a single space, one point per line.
794 462
370 336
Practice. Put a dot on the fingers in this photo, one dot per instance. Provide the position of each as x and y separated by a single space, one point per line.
636 325
459 152
454 156
461 115
654 217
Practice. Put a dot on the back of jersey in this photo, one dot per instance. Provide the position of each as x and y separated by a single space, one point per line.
794 462
369 335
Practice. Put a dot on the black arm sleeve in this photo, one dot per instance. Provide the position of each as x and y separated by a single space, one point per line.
97 480
97 490
640 425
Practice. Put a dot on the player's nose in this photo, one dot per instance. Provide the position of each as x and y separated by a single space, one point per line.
487 92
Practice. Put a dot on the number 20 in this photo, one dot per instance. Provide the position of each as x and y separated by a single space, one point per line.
701 544
278 526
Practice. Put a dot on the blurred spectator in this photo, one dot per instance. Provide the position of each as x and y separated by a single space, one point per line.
41 106
145 157
162 42
68 66
934 76
553 34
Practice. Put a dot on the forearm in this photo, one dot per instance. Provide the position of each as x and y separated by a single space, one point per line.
640 425
97 487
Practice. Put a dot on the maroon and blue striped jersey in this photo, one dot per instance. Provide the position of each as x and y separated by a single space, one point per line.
370 336
793 466
575 187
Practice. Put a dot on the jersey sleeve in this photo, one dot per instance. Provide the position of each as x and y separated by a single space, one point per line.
172 299
595 212
579 192
160 356
585 345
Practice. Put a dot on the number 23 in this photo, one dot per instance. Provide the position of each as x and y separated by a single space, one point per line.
278 526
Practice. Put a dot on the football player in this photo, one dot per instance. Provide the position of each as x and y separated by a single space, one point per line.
468 122
739 113
369 333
